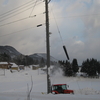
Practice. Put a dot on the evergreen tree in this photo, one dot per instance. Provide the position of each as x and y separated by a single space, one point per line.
5 57
85 66
98 67
36 62
28 60
42 62
90 67
75 67
68 69
23 60
61 62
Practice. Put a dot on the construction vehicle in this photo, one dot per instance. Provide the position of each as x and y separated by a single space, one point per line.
61 89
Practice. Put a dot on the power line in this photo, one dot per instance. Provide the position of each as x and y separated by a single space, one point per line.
18 13
14 21
17 8
49 18
57 26
65 50
7 13
12 12
33 7
20 20
22 30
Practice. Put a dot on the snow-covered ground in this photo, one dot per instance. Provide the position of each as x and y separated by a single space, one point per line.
13 86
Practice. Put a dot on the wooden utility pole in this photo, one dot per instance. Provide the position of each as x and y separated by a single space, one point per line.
47 44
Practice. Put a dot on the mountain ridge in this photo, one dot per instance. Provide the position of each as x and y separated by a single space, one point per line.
12 52
42 55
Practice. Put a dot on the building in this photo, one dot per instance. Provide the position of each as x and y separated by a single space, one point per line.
34 67
14 66
5 65
21 67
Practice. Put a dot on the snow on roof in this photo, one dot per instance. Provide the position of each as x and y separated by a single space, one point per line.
21 65
3 62
35 65
51 67
14 65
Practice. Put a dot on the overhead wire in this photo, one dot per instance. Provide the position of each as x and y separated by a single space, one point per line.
49 18
17 7
19 10
14 21
64 48
57 26
33 7
22 30
20 19
12 12
17 13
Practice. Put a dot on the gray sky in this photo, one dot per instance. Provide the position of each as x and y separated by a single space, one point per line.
78 22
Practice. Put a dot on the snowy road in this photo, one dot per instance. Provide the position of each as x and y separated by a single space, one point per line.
40 96
13 86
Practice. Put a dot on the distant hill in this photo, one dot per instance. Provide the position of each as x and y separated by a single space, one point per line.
12 52
39 56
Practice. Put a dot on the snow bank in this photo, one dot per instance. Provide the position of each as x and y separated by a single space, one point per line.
87 91
13 86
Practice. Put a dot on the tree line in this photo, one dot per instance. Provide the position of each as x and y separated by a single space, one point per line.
23 60
91 67
70 69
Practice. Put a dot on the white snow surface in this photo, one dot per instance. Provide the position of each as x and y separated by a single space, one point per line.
3 63
13 86
14 65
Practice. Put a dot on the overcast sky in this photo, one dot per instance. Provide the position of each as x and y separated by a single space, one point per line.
73 23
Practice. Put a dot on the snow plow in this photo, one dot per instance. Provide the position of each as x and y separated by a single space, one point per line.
61 89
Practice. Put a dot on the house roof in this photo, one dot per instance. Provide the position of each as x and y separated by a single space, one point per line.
21 65
3 62
36 65
14 65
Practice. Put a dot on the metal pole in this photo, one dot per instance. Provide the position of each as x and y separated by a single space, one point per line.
47 44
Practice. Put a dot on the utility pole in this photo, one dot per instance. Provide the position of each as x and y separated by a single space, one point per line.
47 45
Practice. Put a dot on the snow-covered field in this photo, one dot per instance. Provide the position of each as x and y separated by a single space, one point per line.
13 86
